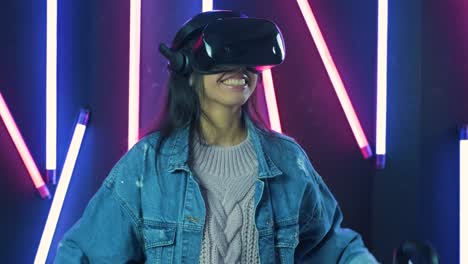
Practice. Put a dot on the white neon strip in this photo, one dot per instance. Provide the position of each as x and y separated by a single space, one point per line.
270 97
382 77
134 73
22 149
335 78
51 86
60 193
464 201
207 5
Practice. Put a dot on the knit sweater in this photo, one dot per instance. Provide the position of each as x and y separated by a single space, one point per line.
227 176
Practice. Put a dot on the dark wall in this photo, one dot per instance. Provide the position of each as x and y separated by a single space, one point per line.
444 110
22 83
417 195
397 189
92 74
425 105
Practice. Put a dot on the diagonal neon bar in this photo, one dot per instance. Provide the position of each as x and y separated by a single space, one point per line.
335 78
62 187
23 149
270 97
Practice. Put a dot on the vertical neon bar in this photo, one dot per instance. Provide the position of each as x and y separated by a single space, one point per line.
62 187
23 149
207 5
464 194
51 91
335 78
271 101
381 121
134 73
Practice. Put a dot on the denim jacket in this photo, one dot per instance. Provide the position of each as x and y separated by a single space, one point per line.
155 213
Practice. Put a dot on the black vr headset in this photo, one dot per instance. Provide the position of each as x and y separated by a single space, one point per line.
224 41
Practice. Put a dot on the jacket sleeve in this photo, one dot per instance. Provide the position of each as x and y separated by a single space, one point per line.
321 237
106 233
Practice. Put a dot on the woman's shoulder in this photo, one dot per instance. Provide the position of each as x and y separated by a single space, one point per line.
281 143
148 140
289 156
131 170
133 161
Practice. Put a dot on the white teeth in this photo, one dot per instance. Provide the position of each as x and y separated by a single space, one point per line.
234 82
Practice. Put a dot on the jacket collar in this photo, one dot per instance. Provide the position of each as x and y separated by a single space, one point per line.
177 146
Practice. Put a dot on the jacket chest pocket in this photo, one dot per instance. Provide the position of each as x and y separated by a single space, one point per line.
159 244
286 241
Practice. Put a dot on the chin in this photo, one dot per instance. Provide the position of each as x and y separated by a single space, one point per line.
232 102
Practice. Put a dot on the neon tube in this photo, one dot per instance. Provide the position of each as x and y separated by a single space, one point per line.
335 78
270 97
23 149
381 122
134 73
207 5
51 91
464 194
62 187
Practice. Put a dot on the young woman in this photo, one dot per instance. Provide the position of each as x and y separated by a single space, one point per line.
213 184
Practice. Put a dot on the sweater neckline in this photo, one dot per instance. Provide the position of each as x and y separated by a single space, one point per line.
224 162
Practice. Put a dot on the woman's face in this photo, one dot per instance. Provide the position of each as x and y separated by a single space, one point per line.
230 89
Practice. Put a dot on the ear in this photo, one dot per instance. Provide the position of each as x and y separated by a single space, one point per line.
191 80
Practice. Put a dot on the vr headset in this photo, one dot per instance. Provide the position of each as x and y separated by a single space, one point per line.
224 41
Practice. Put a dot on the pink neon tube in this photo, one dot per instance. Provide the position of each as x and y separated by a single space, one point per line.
270 97
23 150
335 78
134 73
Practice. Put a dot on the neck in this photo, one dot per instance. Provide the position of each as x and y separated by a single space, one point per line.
223 127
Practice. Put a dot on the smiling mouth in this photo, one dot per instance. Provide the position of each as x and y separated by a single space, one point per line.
234 79
235 82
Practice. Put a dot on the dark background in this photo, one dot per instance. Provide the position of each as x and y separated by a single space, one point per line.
415 197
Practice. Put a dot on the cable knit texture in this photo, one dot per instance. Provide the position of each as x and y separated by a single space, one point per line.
227 176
